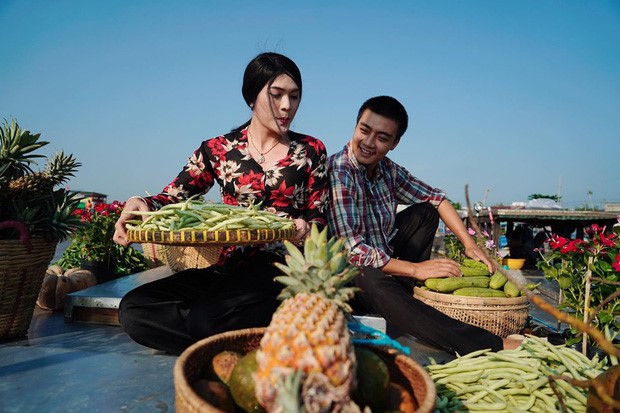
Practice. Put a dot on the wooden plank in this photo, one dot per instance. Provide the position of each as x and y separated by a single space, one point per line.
95 315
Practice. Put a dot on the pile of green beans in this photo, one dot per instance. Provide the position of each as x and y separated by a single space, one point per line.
200 215
514 380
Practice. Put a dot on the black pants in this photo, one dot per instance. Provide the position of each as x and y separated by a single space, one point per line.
172 313
392 297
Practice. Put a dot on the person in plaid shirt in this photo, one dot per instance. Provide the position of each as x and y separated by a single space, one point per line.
394 249
261 161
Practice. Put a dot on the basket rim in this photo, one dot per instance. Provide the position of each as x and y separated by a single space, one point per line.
463 300
193 237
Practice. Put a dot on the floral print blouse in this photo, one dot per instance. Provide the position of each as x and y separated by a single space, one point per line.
296 186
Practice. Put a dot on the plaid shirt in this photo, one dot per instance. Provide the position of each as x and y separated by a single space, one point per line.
363 209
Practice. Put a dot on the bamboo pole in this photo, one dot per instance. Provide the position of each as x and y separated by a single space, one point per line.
586 305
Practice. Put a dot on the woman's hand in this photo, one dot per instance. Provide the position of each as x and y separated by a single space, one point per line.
303 229
134 203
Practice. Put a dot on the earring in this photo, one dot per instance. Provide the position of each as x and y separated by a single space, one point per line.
252 106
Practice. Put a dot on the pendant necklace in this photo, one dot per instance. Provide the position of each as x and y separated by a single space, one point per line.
261 158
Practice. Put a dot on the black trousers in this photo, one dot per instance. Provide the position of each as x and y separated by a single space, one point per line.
172 313
392 297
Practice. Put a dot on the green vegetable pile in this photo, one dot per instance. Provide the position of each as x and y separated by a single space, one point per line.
477 281
200 215
514 380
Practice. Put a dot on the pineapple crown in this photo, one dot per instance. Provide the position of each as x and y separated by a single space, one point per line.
323 269
16 150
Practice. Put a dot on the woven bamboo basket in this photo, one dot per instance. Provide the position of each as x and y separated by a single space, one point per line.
500 316
191 248
21 276
193 364
155 253
181 258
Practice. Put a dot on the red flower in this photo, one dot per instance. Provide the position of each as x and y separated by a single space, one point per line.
252 180
558 243
606 241
282 196
571 246
616 264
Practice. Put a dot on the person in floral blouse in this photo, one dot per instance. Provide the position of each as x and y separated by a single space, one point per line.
260 161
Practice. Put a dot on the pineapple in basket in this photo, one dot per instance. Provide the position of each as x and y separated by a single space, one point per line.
308 333
32 199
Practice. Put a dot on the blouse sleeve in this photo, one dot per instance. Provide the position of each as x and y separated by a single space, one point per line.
196 177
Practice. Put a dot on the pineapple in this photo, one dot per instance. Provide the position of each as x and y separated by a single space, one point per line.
309 332
31 197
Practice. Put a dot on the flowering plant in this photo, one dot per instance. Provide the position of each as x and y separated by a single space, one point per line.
567 262
456 251
93 242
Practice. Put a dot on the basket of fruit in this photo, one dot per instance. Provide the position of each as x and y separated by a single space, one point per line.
214 375
307 356
193 233
479 298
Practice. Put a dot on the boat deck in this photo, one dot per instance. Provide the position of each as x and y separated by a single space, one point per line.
82 361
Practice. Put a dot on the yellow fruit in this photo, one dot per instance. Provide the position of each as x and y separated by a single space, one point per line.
223 364
242 385
400 399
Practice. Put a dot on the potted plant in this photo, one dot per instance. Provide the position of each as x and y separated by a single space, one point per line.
456 251
35 214
92 246
588 274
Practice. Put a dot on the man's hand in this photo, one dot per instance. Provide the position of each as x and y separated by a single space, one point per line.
475 253
438 268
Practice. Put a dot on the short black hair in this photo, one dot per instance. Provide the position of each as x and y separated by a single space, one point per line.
390 108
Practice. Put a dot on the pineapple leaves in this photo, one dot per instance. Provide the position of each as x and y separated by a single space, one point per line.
32 197
322 269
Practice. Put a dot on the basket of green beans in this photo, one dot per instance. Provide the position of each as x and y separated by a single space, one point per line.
193 233
195 222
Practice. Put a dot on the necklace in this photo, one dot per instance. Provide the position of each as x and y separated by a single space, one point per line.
261 158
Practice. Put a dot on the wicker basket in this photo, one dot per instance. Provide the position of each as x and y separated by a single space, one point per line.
155 254
193 364
191 248
181 258
501 316
21 276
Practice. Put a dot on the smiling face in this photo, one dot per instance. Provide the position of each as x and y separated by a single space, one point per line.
276 105
374 137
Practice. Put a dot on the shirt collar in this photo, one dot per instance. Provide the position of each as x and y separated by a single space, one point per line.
362 168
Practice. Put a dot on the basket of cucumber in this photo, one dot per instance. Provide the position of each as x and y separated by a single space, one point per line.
500 316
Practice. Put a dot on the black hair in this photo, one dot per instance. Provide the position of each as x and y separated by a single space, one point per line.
388 107
264 69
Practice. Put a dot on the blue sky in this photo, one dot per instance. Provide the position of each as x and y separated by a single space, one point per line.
511 98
